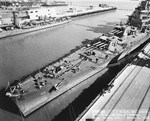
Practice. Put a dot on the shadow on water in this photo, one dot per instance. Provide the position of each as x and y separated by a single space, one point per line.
87 96
143 62
7 104
100 28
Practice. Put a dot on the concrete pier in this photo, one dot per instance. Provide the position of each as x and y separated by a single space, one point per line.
128 99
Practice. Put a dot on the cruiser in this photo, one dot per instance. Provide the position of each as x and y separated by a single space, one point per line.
58 77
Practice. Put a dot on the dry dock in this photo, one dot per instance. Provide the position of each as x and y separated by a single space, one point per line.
129 98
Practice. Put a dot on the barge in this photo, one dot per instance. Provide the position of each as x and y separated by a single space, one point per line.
53 80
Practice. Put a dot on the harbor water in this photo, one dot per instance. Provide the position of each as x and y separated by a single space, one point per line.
23 54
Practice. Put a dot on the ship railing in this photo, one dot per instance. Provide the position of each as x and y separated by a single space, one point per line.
101 44
97 43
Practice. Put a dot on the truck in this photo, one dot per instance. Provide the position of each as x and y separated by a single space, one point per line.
6 22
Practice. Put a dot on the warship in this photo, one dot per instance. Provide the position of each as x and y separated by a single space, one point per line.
83 62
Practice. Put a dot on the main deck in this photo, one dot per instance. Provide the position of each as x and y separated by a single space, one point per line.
72 70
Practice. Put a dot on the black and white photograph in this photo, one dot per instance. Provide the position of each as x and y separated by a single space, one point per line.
74 60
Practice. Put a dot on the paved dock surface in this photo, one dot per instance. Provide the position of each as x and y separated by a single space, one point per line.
129 98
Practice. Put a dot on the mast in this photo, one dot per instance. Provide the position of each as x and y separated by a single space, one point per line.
147 4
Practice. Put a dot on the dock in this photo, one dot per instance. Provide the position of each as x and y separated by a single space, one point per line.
15 32
87 12
28 29
128 99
